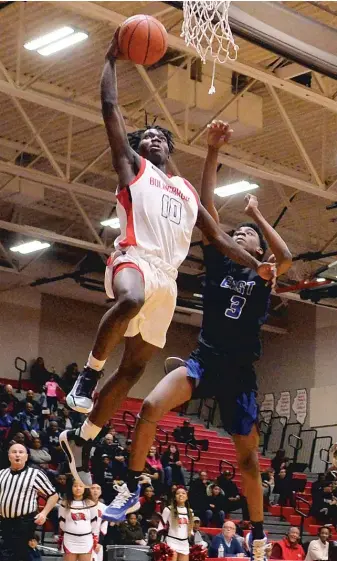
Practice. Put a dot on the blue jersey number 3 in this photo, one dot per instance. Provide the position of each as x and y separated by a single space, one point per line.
236 307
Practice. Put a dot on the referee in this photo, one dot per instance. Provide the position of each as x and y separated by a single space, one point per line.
20 487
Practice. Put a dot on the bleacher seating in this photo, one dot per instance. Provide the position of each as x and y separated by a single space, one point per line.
220 447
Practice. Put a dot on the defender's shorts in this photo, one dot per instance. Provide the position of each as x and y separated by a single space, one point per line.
232 382
155 316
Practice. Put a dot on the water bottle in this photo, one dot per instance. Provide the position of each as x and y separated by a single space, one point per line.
221 551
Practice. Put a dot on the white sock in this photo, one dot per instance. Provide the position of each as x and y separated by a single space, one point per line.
89 431
95 364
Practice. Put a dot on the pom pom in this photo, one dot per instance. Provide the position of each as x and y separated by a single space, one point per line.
161 552
198 553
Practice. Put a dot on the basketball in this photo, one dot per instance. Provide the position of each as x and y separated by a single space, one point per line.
142 39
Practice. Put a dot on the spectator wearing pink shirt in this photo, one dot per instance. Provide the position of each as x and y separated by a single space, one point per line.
51 388
155 470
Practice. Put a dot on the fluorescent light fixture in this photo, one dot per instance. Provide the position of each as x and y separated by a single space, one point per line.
51 37
233 188
197 295
321 279
63 43
112 222
29 247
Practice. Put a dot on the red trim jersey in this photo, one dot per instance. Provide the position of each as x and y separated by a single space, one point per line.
157 214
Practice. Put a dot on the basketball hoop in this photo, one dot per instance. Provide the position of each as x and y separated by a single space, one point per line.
206 28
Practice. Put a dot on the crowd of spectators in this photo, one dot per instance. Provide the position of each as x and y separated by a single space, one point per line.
37 419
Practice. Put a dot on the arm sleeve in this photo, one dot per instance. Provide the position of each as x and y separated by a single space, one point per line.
43 484
314 551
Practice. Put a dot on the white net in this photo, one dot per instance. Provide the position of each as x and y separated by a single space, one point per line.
207 29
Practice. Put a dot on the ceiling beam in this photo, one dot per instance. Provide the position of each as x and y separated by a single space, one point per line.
97 12
39 233
252 168
57 183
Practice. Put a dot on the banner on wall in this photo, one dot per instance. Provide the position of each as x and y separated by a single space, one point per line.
283 406
299 405
267 405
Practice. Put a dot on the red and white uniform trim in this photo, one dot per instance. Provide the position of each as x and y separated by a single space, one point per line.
177 531
157 214
79 526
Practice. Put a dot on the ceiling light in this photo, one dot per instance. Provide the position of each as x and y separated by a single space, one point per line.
63 43
197 295
321 279
112 222
233 188
29 247
48 38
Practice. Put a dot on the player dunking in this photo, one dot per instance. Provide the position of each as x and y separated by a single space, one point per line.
157 214
236 302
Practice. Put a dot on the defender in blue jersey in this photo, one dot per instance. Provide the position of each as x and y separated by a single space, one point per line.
236 302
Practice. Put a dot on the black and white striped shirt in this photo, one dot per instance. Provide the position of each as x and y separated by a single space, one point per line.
19 491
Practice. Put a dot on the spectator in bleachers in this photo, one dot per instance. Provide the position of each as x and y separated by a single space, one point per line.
8 396
234 499
154 469
39 456
324 505
289 547
283 487
197 495
30 399
118 463
61 484
69 419
279 461
318 550
216 505
227 539
107 446
69 377
51 389
198 537
316 487
26 421
38 373
268 484
131 532
152 537
52 442
6 419
172 466
104 476
148 507
34 553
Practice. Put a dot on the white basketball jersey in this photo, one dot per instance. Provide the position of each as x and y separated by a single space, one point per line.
157 214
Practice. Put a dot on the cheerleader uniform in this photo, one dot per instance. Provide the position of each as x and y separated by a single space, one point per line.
78 525
178 530
102 528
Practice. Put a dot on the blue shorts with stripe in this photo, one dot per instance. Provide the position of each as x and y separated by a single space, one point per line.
231 381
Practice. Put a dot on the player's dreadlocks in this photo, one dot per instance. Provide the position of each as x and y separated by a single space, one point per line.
135 137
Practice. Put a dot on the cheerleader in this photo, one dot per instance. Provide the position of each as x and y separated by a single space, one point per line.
102 525
78 523
178 520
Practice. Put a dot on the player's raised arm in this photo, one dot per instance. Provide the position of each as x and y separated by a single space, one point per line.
226 245
283 257
218 134
125 161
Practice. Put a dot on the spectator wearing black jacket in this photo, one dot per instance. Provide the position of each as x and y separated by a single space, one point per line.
197 495
234 499
216 506
8 396
324 505
185 433
131 532
172 466
30 399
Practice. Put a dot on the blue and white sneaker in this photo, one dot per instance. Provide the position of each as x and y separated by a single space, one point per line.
256 548
80 398
124 503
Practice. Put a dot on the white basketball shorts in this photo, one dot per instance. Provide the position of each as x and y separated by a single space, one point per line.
155 316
